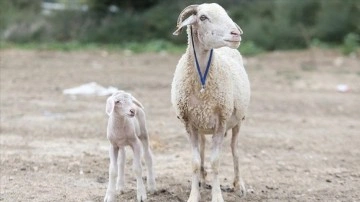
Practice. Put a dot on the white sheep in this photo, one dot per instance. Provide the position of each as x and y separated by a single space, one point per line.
126 126
210 89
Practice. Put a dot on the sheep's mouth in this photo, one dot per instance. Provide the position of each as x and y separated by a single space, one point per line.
233 41
130 115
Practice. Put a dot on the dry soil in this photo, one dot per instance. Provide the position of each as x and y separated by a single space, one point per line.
300 142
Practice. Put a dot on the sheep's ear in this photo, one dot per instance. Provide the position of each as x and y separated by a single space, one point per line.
135 101
188 21
190 10
110 104
241 32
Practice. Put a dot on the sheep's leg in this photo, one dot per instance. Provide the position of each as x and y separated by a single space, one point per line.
121 177
141 192
194 142
110 192
149 164
217 141
239 186
202 157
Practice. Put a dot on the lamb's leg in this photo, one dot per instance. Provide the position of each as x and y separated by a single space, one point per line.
121 177
239 186
141 192
217 140
149 164
194 142
110 192
202 157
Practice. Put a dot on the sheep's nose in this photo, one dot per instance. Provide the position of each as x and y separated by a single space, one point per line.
235 33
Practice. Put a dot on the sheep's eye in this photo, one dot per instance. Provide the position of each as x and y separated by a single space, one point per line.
203 17
117 102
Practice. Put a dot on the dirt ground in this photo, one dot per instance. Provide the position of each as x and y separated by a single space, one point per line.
300 142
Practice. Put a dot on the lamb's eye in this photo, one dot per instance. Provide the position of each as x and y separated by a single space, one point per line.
117 102
203 17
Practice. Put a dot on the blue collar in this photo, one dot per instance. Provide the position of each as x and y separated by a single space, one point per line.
202 78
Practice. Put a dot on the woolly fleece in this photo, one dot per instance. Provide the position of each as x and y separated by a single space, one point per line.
227 90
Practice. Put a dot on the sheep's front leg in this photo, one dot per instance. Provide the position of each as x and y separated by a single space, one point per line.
140 192
202 157
110 192
121 177
217 140
195 193
239 186
149 164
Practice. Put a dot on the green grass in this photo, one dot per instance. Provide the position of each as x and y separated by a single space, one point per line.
70 46
249 48
350 44
246 48
152 46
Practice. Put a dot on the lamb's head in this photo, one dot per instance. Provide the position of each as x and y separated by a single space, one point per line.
123 104
212 25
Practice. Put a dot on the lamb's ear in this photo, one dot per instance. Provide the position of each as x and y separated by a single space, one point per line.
188 11
241 32
110 104
135 101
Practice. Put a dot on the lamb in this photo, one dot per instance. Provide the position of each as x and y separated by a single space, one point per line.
126 126
210 90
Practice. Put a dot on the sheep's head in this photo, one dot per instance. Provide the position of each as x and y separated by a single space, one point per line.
211 23
122 103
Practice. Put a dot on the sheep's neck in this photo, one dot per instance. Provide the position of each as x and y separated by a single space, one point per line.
202 53
119 119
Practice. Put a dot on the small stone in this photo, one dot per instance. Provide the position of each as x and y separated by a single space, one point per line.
101 180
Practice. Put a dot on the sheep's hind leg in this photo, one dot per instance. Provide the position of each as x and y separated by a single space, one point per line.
217 140
121 177
149 164
194 141
239 186
140 187
110 192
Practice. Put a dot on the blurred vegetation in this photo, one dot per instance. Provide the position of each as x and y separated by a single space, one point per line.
148 24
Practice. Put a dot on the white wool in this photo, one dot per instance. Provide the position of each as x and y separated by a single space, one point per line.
227 89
